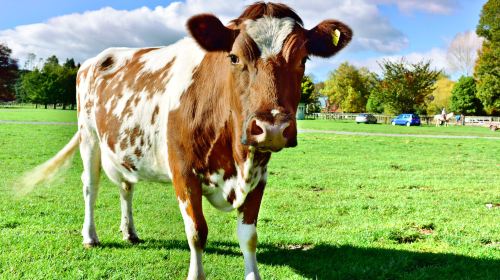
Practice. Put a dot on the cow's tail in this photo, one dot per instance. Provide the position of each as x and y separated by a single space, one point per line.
49 169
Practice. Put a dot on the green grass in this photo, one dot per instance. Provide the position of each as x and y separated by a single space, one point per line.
45 115
336 207
50 115
384 128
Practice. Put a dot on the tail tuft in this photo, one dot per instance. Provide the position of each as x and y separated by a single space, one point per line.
47 170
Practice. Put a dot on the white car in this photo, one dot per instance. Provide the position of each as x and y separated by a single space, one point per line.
366 118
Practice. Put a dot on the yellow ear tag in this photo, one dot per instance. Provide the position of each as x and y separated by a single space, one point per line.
336 37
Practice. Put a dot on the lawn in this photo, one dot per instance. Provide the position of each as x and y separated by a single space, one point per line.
50 115
454 130
336 207
46 115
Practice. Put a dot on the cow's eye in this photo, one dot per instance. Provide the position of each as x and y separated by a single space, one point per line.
234 59
304 60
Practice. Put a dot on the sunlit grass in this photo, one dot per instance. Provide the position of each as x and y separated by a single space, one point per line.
345 207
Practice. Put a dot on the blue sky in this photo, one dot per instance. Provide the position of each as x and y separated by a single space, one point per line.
384 29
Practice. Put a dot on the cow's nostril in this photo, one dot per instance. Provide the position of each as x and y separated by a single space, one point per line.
256 129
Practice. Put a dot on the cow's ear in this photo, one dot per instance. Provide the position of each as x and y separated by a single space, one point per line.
328 37
210 33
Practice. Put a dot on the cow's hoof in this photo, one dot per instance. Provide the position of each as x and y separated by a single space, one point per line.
91 245
133 239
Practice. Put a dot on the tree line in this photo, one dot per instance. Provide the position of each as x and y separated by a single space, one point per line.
51 84
416 88
402 87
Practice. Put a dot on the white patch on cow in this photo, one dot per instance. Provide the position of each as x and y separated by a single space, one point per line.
195 264
247 233
218 189
269 33
274 112
153 162
188 55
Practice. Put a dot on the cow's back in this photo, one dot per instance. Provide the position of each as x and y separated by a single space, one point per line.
124 99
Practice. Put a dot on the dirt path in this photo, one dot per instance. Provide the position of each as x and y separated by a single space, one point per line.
308 131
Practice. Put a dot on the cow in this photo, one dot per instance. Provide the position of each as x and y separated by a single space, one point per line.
205 113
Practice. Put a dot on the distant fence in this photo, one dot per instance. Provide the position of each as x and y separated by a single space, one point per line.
469 120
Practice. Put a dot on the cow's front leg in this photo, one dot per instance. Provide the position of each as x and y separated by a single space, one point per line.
189 196
247 233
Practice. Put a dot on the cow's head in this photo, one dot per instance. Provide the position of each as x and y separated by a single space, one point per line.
267 48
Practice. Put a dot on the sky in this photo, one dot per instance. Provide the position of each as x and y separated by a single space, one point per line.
383 29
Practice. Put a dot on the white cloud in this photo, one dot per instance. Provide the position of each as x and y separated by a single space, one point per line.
83 35
437 56
430 6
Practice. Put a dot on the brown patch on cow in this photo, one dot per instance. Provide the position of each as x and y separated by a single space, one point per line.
135 134
128 164
153 82
110 89
138 152
124 143
155 114
88 105
127 186
128 110
231 196
107 63
81 75
252 243
251 206
261 9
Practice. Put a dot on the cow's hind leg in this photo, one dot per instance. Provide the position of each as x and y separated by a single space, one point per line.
127 221
90 153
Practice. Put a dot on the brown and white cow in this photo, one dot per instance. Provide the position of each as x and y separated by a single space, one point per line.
205 113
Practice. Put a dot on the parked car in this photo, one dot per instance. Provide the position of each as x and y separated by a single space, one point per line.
406 119
366 118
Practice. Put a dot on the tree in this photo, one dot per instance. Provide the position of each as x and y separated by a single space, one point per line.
53 84
348 87
406 86
307 90
441 96
31 83
462 52
69 73
487 69
375 103
463 97
8 74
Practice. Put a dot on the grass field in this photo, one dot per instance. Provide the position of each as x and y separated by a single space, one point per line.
336 207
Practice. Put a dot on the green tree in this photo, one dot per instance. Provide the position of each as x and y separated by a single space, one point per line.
32 83
68 81
375 103
307 90
463 97
53 84
441 96
8 74
487 69
406 86
348 87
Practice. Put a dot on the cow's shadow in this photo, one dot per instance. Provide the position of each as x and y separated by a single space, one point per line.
348 262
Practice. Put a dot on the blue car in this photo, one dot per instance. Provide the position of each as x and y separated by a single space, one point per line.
406 119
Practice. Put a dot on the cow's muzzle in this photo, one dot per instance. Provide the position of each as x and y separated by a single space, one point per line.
270 133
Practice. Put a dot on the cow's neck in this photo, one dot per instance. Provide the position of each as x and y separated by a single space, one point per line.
210 114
